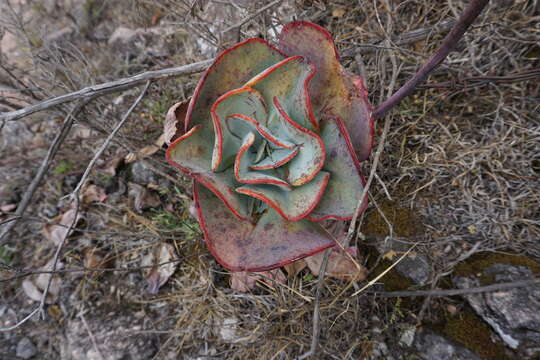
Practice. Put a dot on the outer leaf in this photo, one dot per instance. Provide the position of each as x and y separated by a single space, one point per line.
289 80
242 246
334 91
310 159
346 184
294 204
231 69
192 154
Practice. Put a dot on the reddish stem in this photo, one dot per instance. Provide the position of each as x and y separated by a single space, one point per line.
448 44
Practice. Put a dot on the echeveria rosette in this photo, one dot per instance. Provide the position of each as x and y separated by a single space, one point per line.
275 136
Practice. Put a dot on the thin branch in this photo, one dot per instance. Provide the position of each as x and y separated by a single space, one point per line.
92 92
51 153
108 140
454 292
248 18
448 44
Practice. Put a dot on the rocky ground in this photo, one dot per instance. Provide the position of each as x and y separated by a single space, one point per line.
456 189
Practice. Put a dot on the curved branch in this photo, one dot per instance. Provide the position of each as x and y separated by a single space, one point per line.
448 44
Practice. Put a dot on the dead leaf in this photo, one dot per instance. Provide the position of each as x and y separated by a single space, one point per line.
35 286
56 233
93 193
244 281
173 127
143 198
112 165
295 267
390 255
339 266
338 11
158 275
8 208
146 151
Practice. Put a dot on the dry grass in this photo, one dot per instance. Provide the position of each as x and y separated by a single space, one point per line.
465 160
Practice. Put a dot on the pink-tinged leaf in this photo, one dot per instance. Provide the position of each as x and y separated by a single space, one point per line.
192 154
163 266
173 127
243 246
346 184
245 281
244 160
334 91
289 80
339 265
231 70
142 197
230 130
310 159
57 233
293 204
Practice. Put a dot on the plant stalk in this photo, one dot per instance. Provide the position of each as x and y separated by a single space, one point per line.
448 44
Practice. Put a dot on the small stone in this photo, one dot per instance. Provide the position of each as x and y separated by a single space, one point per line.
26 349
407 338
432 346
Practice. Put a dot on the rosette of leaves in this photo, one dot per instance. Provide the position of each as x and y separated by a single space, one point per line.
273 138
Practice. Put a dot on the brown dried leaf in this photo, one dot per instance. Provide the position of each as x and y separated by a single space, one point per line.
56 233
113 164
93 193
339 265
244 281
158 275
143 198
35 286
146 151
295 267
174 121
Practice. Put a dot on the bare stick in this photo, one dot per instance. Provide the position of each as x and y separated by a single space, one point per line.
448 44
453 292
53 149
92 92
92 337
108 140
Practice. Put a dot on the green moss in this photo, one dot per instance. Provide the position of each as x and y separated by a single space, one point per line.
470 331
404 222
476 264
63 167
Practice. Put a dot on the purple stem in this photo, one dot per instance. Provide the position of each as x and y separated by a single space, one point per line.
448 44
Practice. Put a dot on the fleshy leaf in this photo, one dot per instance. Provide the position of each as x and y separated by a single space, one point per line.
271 243
344 190
231 70
192 154
310 159
334 91
294 204
289 79
244 160
228 137
277 158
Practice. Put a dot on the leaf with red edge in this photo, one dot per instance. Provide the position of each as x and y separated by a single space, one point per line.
343 192
293 204
244 160
192 154
289 80
231 70
242 246
310 159
334 91
230 130
173 126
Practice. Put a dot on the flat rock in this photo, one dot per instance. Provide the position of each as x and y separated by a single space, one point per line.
514 314
414 266
431 345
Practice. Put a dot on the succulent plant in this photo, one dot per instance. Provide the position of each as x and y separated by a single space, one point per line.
275 136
